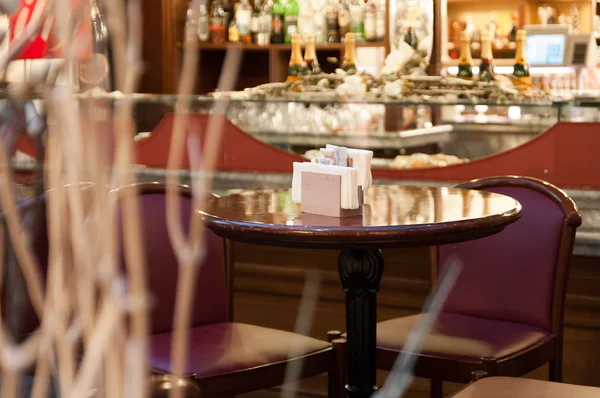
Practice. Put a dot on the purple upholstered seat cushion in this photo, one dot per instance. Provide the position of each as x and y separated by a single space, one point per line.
228 347
211 300
463 336
510 276
513 387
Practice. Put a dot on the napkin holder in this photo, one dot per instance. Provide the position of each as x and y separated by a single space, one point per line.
322 195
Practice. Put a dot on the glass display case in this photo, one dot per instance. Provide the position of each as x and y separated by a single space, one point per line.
464 132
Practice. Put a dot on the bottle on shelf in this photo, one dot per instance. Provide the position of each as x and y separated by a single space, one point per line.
265 23
243 16
357 18
233 31
191 22
512 35
521 77
371 21
319 20
217 21
291 20
278 25
255 21
296 65
343 19
332 22
349 64
305 18
227 12
465 62
311 62
203 32
575 18
486 68
380 22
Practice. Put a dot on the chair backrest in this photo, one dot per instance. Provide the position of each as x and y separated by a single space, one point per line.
16 304
211 301
520 274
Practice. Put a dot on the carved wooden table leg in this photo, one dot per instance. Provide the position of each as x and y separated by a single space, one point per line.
360 271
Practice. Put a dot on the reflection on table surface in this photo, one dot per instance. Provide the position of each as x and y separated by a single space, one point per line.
385 206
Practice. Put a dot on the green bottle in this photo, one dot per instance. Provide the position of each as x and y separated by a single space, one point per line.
277 24
291 20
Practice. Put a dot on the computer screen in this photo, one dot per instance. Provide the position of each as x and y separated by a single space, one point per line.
547 49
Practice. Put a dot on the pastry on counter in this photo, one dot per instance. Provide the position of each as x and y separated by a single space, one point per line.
422 160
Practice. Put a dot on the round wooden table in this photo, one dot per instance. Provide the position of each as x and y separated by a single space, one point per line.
393 216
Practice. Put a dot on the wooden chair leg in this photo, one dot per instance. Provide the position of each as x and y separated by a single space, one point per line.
437 388
337 374
555 369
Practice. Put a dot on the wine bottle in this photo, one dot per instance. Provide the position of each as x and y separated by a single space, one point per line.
465 62
296 65
311 62
521 77
349 64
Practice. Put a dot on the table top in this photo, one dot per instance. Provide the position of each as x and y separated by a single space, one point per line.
393 216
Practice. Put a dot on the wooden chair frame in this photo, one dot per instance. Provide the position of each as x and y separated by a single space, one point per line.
329 360
439 368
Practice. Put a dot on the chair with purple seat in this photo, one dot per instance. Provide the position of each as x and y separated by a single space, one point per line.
504 316
225 357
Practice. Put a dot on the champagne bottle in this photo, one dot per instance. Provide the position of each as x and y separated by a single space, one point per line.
296 65
521 77
465 62
278 26
349 64
310 56
486 68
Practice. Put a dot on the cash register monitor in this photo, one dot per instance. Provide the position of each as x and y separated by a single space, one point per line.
546 45
581 51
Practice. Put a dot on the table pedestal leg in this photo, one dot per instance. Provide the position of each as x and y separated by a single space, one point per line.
360 271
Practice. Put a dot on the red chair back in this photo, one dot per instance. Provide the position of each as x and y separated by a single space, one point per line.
211 302
518 275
